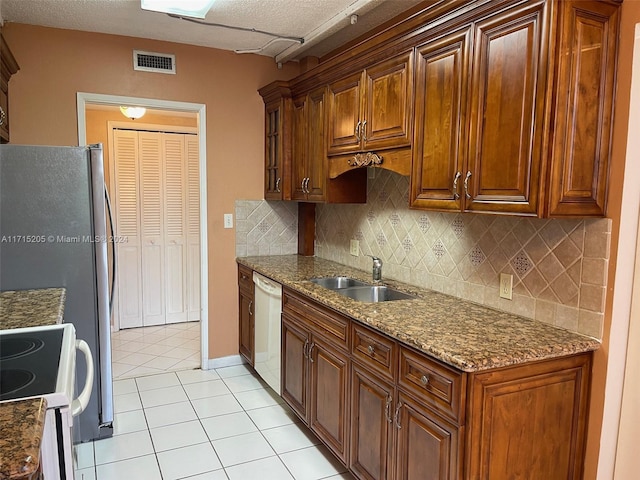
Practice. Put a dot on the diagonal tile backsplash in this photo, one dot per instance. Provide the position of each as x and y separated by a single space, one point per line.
559 267
266 228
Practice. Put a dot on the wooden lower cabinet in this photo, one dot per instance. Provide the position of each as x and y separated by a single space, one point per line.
372 428
315 382
428 447
408 416
245 306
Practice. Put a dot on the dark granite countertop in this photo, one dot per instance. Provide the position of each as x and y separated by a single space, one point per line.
21 428
31 308
463 334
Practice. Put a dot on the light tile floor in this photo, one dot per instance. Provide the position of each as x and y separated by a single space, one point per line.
148 350
223 424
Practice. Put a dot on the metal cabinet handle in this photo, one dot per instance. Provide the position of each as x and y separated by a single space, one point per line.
424 380
3 116
358 130
466 185
250 305
364 130
397 415
302 185
311 347
456 195
387 409
278 185
306 185
305 347
371 349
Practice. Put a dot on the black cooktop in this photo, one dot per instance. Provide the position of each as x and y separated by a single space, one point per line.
29 363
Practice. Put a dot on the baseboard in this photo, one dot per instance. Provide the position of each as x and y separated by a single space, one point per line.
229 361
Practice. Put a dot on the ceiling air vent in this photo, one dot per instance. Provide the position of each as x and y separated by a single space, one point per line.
154 62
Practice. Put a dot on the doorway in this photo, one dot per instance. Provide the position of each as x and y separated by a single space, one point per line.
87 100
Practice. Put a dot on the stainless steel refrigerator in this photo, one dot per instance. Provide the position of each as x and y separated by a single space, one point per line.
54 227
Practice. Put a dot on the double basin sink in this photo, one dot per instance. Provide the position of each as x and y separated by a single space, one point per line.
361 291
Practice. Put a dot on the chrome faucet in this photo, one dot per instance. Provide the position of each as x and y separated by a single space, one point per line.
377 269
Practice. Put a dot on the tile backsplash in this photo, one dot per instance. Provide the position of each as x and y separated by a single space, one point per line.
266 228
559 267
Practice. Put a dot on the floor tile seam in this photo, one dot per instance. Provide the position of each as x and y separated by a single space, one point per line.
124 459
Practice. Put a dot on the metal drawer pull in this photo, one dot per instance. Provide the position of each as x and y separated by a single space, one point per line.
456 195
278 185
250 305
424 380
466 185
397 415
310 356
387 409
371 349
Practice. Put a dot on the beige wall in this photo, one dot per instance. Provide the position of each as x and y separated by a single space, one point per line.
55 64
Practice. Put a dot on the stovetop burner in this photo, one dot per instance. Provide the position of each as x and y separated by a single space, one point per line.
12 380
29 362
11 348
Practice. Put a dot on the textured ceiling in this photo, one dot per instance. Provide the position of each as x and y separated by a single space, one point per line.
324 24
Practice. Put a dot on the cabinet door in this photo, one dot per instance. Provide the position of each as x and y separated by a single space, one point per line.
371 426
529 421
507 110
344 122
442 69
316 154
299 149
584 108
295 342
329 396
273 151
246 334
388 104
427 445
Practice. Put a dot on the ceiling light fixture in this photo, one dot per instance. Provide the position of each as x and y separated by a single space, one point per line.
133 113
188 8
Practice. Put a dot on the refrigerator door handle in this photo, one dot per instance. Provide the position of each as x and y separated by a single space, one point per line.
114 262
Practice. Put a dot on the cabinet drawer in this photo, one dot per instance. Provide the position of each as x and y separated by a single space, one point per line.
245 278
374 350
437 385
330 324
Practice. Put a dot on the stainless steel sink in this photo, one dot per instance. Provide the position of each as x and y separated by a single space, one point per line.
374 294
336 283
361 291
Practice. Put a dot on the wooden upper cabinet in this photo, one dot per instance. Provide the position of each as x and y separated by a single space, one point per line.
442 70
8 66
277 156
299 148
309 151
372 109
508 88
584 108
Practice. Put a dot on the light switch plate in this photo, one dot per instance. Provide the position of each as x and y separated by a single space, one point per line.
506 286
354 248
228 220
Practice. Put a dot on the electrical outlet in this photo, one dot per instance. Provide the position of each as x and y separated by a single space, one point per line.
354 248
506 286
228 220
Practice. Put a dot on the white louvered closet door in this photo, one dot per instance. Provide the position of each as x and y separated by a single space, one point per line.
152 227
129 273
166 207
175 209
193 227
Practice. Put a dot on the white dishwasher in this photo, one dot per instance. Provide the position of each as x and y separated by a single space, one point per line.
267 310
